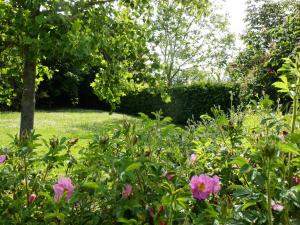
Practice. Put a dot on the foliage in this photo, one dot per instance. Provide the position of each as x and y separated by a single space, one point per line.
152 172
110 35
187 102
272 33
60 91
186 39
139 173
100 32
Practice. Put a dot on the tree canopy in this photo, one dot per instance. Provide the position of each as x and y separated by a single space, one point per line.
106 36
272 33
188 40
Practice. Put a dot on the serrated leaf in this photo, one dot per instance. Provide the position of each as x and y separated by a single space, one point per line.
282 86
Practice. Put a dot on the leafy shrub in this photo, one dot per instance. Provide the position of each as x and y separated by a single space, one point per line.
151 172
186 101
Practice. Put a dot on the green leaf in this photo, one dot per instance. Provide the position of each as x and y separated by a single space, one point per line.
126 221
283 86
247 205
166 200
90 186
280 85
288 148
297 188
246 168
295 138
239 161
57 215
182 201
133 166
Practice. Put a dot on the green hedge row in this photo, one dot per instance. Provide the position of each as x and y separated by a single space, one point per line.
187 101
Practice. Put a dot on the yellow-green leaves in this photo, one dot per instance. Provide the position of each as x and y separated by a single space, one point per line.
282 85
290 80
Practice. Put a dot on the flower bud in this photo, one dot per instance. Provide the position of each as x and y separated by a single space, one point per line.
31 198
295 180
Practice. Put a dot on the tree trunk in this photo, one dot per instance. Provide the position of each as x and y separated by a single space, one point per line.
28 95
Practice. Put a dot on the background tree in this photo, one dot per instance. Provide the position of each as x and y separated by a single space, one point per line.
188 40
272 33
109 35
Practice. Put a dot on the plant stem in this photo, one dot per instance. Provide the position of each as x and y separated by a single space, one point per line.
295 107
170 219
26 180
289 175
269 199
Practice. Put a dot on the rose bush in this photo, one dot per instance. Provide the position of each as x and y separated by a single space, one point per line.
226 169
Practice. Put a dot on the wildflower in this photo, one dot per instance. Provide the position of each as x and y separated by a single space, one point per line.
216 187
295 180
2 159
193 158
127 190
201 186
63 186
31 198
277 207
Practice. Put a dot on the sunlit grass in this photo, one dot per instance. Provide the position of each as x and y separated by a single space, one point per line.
82 124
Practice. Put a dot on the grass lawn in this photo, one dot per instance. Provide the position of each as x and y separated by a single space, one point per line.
77 123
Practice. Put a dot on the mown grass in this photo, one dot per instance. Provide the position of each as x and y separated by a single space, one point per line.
77 123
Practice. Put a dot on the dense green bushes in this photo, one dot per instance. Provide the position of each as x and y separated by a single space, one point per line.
187 101
240 168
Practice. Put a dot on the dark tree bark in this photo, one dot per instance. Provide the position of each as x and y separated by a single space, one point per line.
29 74
28 95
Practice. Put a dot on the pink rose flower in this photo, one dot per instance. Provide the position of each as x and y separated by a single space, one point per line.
31 198
202 186
127 190
277 207
2 159
63 187
216 187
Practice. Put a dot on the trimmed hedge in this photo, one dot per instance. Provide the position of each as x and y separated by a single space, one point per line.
187 101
